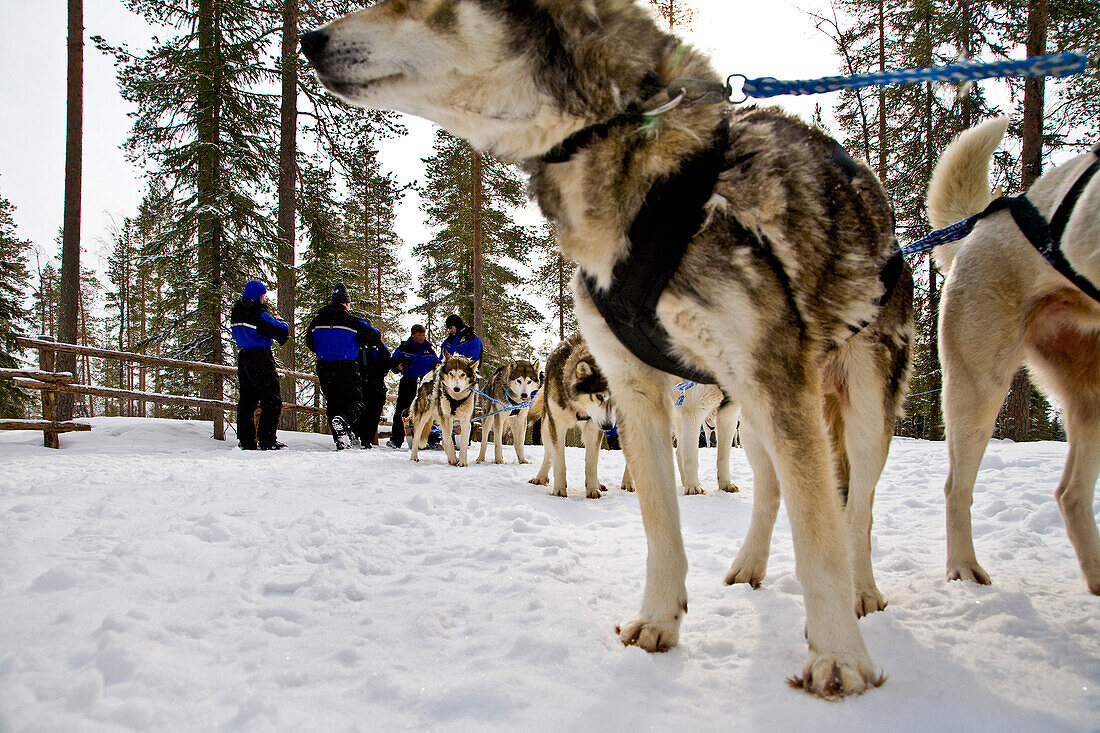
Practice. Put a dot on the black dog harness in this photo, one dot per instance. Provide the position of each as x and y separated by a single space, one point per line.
1047 237
673 213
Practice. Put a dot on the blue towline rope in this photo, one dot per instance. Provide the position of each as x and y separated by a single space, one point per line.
1058 65
684 387
520 406
947 235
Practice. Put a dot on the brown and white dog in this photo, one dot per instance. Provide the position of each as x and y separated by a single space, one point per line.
512 384
789 290
446 396
1005 306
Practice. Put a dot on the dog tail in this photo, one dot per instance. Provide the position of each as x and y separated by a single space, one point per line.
960 183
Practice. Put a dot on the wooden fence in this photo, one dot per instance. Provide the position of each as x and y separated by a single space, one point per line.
51 383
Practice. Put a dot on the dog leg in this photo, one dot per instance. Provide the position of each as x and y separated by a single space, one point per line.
790 423
542 478
628 480
447 427
557 459
1076 489
866 441
977 371
499 422
724 428
519 435
463 442
592 437
687 450
417 429
486 430
751 564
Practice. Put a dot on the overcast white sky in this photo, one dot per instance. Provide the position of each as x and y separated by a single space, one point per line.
770 38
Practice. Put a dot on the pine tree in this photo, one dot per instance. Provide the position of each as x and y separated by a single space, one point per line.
14 279
203 121
552 282
70 248
677 13
463 205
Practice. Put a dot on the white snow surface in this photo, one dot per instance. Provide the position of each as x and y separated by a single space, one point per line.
154 579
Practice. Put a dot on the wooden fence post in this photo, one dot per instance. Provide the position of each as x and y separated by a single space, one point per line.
49 397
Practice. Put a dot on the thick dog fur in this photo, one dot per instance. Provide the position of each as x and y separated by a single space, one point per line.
511 384
574 391
447 395
1003 306
768 295
700 402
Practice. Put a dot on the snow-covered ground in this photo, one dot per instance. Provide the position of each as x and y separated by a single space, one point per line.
154 579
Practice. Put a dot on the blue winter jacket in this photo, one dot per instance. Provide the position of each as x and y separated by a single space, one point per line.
334 334
417 358
254 327
463 343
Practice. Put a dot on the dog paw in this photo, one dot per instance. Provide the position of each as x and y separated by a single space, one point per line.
869 600
730 488
593 492
653 636
559 492
524 462
747 570
968 571
834 676
452 461
462 464
627 487
479 461
539 481
498 462
693 490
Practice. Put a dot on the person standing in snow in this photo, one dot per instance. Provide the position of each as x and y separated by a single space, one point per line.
254 328
336 336
461 339
412 359
374 362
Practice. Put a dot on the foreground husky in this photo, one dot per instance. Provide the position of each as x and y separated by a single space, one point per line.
575 392
446 396
693 405
773 253
1004 305
512 384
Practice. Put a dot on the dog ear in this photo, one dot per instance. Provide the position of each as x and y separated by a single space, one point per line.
477 366
535 366
584 369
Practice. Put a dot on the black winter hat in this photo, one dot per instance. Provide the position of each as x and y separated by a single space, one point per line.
454 320
340 294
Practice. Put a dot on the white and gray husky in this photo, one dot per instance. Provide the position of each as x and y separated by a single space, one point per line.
574 391
780 270
511 385
445 397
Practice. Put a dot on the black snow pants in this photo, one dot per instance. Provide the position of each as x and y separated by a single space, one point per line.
406 393
341 387
374 400
259 385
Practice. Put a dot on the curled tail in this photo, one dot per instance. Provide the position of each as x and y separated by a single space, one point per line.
538 407
960 183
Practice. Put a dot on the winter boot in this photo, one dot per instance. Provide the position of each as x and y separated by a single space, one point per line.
247 446
392 444
341 431
271 445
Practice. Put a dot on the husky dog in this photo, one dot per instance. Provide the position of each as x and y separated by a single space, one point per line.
575 391
446 396
694 403
511 384
774 252
1003 306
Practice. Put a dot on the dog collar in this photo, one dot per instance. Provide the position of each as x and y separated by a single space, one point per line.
455 403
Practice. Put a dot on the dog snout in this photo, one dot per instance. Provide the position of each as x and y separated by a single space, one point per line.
523 396
313 44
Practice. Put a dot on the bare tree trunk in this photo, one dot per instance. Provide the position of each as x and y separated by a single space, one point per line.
935 411
288 149
561 296
476 176
882 142
70 239
1018 404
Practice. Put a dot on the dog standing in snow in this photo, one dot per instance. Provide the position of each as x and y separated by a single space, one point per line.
446 396
742 242
694 403
1005 305
511 385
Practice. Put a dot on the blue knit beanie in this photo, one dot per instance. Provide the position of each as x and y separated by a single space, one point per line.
254 290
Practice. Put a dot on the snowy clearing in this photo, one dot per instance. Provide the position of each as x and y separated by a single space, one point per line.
154 579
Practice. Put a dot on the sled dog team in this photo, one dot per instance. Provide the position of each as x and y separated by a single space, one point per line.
747 249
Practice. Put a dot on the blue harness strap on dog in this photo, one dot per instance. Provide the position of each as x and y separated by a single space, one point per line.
1045 237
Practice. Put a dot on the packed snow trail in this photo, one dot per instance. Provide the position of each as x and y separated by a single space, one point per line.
154 579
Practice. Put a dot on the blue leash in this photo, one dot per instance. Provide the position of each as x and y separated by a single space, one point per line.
1058 65
684 387
509 408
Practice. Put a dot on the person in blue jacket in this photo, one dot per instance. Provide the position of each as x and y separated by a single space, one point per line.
253 329
374 363
412 359
336 336
460 340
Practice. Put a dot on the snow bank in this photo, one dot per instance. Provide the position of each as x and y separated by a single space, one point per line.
154 579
